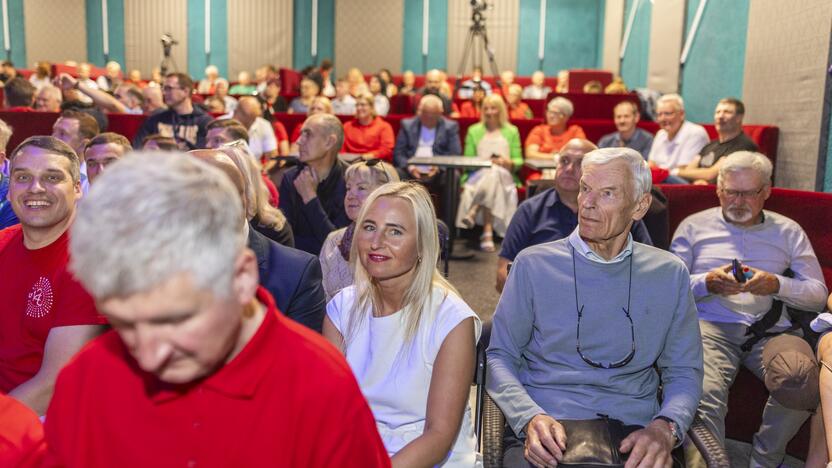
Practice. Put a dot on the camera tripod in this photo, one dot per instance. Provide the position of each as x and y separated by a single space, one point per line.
477 33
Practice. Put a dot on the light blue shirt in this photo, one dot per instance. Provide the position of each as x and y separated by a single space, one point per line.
583 248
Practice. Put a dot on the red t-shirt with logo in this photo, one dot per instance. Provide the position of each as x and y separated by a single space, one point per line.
38 294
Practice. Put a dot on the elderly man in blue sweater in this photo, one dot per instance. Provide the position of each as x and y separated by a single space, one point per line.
593 324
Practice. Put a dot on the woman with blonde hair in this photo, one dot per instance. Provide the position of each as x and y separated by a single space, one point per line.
407 335
489 196
361 179
262 216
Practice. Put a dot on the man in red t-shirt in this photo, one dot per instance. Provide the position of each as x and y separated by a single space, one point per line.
201 368
46 316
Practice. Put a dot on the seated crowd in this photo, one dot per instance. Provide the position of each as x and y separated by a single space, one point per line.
215 292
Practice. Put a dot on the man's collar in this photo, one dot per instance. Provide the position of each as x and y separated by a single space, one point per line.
238 378
583 248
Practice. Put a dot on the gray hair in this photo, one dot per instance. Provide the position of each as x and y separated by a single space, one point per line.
152 216
563 105
331 126
674 99
642 178
429 99
5 135
741 160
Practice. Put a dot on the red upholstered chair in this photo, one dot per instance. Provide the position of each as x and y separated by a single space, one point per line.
289 81
578 78
26 124
125 124
595 106
811 210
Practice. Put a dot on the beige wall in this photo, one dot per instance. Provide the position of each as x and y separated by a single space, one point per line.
502 22
667 26
259 32
55 30
368 34
613 33
785 74
144 22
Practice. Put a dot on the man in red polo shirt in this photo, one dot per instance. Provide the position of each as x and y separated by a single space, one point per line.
46 315
200 369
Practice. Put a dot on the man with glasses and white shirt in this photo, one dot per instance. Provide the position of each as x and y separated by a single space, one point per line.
592 324
766 245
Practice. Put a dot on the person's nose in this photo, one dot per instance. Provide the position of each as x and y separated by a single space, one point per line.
151 351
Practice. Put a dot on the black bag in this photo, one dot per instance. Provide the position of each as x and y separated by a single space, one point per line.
594 443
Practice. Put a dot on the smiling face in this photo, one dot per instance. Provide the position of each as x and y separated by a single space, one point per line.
387 242
606 204
670 117
742 194
364 108
491 114
176 331
41 190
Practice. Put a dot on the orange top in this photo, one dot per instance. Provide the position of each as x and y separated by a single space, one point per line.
376 139
548 143
522 111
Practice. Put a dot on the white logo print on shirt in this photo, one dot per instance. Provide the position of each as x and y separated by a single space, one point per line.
40 299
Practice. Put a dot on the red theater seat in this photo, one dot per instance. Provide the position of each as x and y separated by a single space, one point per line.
811 210
595 106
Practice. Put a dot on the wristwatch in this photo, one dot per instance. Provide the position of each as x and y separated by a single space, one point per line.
674 429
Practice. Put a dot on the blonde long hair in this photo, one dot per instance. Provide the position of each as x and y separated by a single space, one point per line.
418 297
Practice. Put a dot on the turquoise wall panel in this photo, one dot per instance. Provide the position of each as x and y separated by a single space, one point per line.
198 59
636 59
302 25
95 35
437 57
574 35
716 62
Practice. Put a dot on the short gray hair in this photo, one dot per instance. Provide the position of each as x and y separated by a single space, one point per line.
152 216
563 105
5 135
331 126
642 177
741 160
672 98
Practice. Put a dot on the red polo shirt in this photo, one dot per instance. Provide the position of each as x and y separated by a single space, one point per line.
38 294
287 399
376 138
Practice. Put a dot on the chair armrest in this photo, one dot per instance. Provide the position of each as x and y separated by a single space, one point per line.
709 447
493 426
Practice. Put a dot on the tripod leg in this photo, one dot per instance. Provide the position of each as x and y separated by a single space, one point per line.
469 39
487 46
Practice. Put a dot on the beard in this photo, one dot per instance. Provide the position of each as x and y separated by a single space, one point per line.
738 214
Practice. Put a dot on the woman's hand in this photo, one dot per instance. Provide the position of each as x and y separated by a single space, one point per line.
503 162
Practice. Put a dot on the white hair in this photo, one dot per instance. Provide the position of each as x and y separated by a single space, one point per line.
674 99
642 178
212 70
563 105
152 216
742 160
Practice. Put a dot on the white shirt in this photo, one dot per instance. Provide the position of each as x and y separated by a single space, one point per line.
426 138
681 150
395 375
261 137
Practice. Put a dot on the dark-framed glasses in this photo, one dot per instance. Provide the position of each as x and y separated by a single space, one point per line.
608 365
580 309
742 193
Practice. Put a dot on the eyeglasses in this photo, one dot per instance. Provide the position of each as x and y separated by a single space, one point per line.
378 162
629 357
742 193
167 89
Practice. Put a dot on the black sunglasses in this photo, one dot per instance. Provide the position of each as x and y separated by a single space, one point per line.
378 162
